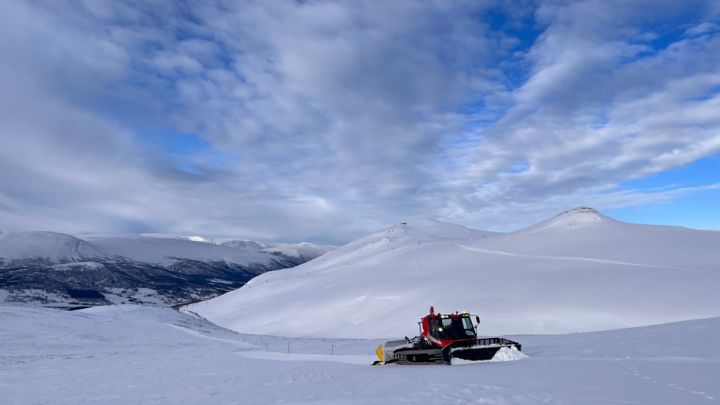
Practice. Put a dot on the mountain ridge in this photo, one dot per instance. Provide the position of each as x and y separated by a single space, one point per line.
55 268
578 275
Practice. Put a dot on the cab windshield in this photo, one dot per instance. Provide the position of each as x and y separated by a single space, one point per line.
452 328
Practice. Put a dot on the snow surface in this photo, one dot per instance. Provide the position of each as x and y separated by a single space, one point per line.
579 271
144 355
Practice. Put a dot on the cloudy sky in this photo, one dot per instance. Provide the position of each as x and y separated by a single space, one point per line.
321 121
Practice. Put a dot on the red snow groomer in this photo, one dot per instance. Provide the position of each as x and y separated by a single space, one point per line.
442 338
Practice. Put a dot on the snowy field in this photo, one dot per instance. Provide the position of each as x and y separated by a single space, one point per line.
144 355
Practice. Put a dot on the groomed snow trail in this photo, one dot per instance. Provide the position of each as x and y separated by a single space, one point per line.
582 259
121 355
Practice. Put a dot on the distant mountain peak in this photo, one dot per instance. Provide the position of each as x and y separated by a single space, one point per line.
244 244
581 214
582 210
576 218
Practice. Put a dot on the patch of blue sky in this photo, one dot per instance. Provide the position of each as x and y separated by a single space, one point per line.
524 32
175 142
600 120
476 124
666 36
698 173
520 167
514 70
712 92
188 151
187 167
188 30
657 38
696 209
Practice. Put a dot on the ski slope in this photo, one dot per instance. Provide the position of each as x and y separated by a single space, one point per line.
578 271
143 355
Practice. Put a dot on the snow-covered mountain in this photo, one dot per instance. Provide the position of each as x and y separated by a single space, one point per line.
302 251
163 269
167 250
50 246
245 244
585 232
578 271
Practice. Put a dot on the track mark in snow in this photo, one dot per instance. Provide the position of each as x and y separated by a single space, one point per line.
583 259
195 333
347 359
671 385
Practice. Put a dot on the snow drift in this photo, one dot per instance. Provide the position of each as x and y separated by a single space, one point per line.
579 271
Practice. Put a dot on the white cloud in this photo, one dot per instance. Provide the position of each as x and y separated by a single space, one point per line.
596 111
341 117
